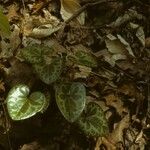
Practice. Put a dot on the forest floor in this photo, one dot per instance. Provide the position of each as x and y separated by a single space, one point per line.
116 72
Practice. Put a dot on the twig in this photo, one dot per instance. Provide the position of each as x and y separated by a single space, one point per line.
90 28
42 4
78 12
125 73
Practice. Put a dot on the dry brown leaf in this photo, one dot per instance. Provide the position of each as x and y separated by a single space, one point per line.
115 101
131 90
126 44
128 89
38 26
8 48
39 5
27 24
83 72
2 87
131 67
12 12
141 35
115 46
31 146
136 138
147 42
118 49
106 142
117 134
118 45
129 15
69 7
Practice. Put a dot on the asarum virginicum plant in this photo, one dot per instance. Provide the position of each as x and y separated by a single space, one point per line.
70 95
22 105
70 98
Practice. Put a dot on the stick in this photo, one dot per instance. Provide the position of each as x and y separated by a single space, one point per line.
78 12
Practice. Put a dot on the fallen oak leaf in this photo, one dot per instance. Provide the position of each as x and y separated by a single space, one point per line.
116 102
104 141
110 141
69 7
117 134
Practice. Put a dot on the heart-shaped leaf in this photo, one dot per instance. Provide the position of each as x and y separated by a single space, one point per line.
70 98
86 59
93 121
49 73
21 105
36 53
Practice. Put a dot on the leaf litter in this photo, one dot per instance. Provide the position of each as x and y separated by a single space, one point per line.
114 68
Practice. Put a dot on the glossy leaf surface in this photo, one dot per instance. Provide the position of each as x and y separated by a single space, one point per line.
93 121
21 105
70 98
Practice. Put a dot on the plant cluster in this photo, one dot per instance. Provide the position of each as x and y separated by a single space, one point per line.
70 95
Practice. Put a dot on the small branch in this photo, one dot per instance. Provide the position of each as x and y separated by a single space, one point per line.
78 12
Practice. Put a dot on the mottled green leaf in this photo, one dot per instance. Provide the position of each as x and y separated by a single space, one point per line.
21 105
4 24
86 59
49 73
36 53
93 121
70 98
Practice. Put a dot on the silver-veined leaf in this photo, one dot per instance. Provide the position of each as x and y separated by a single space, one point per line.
49 73
36 53
21 105
70 98
93 121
